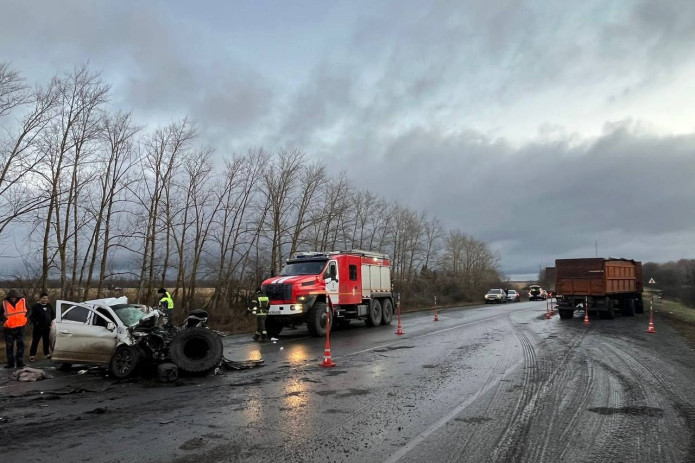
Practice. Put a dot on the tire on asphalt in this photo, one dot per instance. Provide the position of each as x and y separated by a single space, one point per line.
316 320
609 314
566 314
387 312
125 361
374 314
196 350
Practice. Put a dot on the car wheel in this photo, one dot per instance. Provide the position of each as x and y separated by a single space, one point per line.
196 350
125 361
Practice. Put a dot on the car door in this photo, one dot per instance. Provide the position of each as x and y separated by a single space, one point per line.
82 335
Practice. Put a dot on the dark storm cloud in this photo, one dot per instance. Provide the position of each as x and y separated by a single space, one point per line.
422 102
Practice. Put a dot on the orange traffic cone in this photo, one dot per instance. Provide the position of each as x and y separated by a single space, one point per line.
651 329
399 330
327 359
436 317
586 316
548 313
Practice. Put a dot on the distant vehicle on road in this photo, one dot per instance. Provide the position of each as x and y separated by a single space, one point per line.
513 296
536 293
496 296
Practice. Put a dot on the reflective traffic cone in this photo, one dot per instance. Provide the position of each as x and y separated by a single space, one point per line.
548 313
651 329
327 359
586 316
399 330
436 317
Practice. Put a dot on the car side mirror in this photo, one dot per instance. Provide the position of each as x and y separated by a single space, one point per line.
110 326
333 273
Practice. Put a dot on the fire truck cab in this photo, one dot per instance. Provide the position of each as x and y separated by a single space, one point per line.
356 283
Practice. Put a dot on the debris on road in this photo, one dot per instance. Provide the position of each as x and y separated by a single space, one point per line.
27 374
241 364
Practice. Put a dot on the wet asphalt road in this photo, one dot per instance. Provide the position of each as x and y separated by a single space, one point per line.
487 384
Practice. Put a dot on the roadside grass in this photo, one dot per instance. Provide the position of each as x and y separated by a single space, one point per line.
680 316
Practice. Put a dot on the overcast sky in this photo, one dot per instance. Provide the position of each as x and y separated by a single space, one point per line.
544 128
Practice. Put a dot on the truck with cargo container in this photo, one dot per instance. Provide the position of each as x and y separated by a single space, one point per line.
603 285
355 284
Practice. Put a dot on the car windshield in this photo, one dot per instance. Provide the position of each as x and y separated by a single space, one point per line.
495 291
312 267
511 292
129 314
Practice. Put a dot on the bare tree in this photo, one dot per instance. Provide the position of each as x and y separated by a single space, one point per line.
19 155
280 180
65 145
114 162
161 161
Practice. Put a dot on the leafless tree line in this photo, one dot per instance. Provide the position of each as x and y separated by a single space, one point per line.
102 199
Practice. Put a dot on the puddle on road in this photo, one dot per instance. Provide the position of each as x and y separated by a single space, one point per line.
632 411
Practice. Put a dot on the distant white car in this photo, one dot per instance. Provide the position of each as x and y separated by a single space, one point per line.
495 295
513 296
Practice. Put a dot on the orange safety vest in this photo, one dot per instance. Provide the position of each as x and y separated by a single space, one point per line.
16 314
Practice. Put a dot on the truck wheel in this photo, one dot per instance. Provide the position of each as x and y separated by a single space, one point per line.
387 312
374 315
629 307
125 361
196 350
639 305
273 326
566 313
316 321
610 311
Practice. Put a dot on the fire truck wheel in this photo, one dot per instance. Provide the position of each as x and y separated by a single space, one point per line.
316 321
386 312
374 314
273 327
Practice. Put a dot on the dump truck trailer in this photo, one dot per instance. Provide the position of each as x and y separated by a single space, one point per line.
604 284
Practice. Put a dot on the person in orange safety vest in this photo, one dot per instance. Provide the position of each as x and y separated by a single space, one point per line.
14 314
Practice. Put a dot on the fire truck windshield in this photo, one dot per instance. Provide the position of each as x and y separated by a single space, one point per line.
312 267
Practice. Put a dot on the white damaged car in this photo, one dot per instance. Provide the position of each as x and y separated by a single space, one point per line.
126 337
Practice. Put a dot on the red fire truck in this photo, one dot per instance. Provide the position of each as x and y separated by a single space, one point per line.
357 282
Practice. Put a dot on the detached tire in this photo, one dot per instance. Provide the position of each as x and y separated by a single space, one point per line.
196 350
387 312
125 361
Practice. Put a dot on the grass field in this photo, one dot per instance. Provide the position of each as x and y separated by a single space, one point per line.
680 316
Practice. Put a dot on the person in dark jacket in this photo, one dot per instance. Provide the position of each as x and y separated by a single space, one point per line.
41 316
14 317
